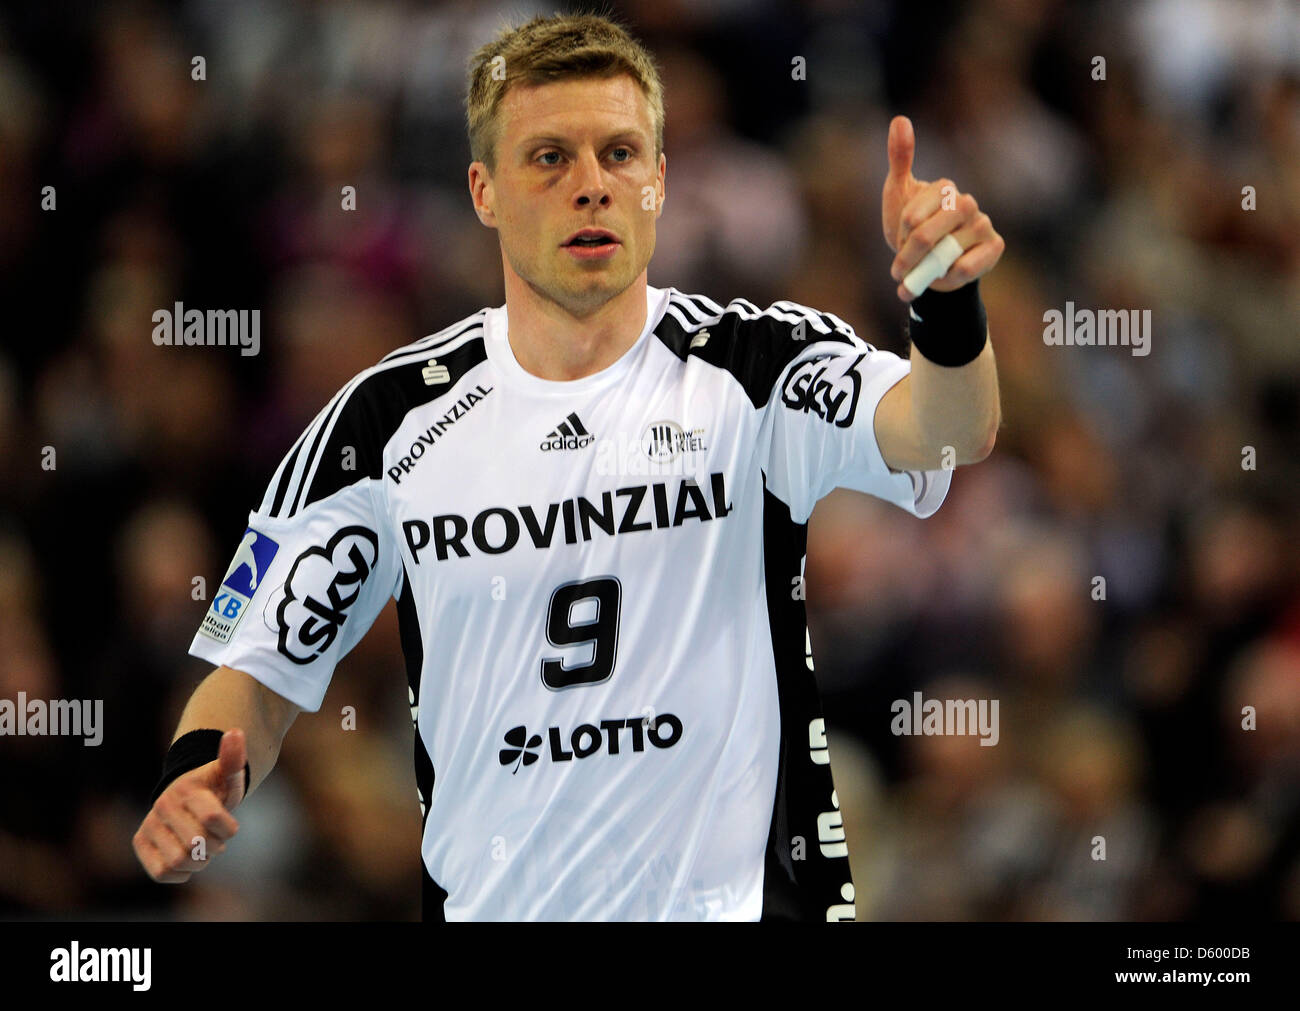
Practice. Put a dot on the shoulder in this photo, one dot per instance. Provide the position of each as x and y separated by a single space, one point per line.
363 415
378 398
755 345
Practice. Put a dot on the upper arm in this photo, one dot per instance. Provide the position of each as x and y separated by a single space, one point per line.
817 387
323 577
824 423
316 563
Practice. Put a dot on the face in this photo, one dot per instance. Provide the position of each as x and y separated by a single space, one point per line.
570 155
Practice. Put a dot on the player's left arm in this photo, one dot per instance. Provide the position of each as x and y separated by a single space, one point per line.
938 415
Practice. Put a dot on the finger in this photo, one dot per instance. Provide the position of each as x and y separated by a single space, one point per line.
928 200
902 146
926 236
176 842
154 864
230 767
233 753
975 262
174 854
933 266
216 821
975 234
182 825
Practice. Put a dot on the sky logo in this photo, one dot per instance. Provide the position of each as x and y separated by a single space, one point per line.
247 570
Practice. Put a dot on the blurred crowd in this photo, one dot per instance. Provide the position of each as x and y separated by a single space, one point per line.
1162 177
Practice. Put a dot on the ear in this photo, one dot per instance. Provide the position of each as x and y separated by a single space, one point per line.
660 187
480 191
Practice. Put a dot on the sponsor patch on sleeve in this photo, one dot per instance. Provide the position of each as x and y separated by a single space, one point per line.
250 565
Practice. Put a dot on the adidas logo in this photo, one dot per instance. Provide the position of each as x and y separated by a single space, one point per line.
700 339
568 434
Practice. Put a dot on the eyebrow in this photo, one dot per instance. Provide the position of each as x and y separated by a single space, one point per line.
547 138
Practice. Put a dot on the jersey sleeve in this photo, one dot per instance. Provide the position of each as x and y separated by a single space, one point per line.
819 423
314 568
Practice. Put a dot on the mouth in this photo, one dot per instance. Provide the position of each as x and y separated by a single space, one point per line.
591 238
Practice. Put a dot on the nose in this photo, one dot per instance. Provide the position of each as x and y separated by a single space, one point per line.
591 188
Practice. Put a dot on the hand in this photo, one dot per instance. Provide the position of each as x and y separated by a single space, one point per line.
916 215
197 804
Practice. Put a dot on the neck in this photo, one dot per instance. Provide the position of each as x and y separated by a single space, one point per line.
563 343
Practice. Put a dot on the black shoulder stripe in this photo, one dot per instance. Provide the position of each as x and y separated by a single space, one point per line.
286 473
823 321
754 345
709 307
295 470
290 474
691 309
321 429
430 344
371 412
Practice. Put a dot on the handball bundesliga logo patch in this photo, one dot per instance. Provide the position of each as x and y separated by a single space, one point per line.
251 562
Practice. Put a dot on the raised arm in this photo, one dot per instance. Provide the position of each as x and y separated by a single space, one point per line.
947 411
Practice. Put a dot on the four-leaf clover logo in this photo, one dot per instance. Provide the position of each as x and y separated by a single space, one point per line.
520 743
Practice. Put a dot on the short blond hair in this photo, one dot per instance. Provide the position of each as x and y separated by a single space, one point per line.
546 49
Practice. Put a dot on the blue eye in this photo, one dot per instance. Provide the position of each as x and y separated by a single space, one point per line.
630 154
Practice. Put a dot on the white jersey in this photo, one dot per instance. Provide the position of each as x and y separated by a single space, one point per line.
599 586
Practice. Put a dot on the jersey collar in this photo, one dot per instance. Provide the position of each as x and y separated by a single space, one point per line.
503 358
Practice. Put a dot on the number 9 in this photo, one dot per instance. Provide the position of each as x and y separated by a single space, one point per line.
602 630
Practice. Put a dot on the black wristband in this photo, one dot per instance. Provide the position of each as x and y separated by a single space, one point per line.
189 751
952 327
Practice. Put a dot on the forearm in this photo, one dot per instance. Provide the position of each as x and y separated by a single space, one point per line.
228 698
956 406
